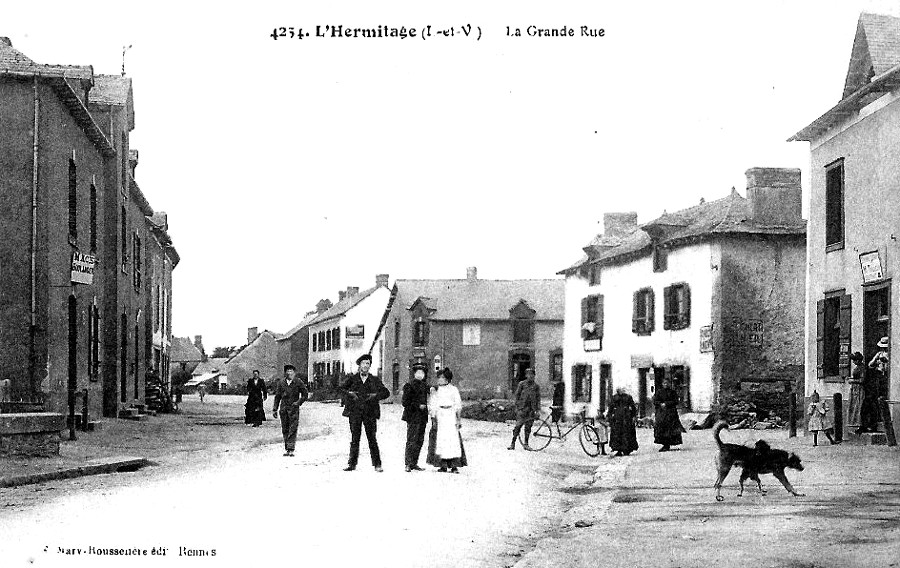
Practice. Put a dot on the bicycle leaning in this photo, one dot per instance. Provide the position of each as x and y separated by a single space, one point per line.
593 433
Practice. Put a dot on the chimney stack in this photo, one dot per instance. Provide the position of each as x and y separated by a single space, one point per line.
341 295
775 196
619 224
352 291
252 334
381 280
198 342
472 273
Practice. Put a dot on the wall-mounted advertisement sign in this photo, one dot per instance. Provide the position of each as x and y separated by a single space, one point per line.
83 268
870 262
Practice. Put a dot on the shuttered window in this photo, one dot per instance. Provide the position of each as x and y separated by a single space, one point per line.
834 205
833 322
643 312
592 317
73 201
677 304
581 383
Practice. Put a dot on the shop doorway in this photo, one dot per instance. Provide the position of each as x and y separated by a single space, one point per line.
876 324
518 362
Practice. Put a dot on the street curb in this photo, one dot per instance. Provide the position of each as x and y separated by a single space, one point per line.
95 467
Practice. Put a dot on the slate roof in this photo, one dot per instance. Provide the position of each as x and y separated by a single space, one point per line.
274 335
294 330
111 90
183 350
343 306
729 215
211 365
874 69
463 299
14 61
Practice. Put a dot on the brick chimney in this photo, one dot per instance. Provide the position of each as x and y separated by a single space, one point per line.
472 273
323 305
352 290
619 224
341 295
198 342
381 280
252 334
775 196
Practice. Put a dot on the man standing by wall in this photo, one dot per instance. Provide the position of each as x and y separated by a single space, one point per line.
290 393
363 391
528 407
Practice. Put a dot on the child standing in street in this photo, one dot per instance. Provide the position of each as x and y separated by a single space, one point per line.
819 419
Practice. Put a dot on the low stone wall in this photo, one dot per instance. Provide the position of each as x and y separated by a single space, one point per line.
30 434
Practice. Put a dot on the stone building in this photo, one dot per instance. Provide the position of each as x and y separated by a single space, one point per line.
853 248
487 331
259 354
293 346
343 332
79 255
710 296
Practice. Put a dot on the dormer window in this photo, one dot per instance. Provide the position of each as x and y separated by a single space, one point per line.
594 275
660 259
522 323
420 333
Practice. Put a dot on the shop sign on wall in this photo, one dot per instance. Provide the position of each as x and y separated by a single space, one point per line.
870 262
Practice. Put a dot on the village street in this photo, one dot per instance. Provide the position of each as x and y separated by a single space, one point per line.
237 495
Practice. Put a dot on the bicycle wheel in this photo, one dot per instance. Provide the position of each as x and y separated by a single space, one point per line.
590 440
541 434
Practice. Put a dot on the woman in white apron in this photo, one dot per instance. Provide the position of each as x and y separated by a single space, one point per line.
445 447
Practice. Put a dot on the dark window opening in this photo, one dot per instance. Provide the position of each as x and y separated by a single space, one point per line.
660 259
93 213
833 321
592 317
397 333
831 339
124 238
643 313
328 340
420 334
581 383
73 200
594 275
834 204
522 331
677 300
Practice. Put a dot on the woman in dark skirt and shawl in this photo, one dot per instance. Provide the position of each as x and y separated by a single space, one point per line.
254 412
445 446
666 426
621 415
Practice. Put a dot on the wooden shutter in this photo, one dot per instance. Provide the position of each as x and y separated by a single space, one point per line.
588 383
686 317
820 338
687 389
651 313
584 316
634 313
845 320
669 314
598 317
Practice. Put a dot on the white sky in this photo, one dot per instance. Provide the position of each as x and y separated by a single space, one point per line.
293 169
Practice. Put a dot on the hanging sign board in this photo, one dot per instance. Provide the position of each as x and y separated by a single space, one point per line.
870 262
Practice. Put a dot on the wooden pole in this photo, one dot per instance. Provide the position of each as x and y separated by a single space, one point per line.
792 416
888 423
838 417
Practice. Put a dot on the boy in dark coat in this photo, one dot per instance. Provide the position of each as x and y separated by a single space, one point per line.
528 407
415 414
362 392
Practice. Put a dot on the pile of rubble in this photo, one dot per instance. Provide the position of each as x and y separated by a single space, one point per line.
743 414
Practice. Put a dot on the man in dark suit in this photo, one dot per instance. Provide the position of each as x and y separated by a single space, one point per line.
362 392
415 414
290 393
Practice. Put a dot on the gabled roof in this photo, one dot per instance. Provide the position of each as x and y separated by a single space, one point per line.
14 62
874 69
114 90
343 306
258 337
478 299
183 350
211 365
729 215
304 323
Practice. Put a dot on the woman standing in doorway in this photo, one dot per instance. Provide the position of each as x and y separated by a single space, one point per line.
445 447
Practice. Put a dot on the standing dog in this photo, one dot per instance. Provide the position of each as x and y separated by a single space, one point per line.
759 459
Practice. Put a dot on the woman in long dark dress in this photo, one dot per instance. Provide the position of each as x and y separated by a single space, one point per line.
254 411
621 415
666 425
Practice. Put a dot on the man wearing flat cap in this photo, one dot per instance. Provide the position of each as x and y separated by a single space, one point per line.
290 393
362 392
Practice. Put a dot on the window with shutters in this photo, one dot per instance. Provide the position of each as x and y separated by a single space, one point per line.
336 338
834 205
321 341
592 322
581 383
660 259
833 321
594 275
642 314
328 340
315 342
677 300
